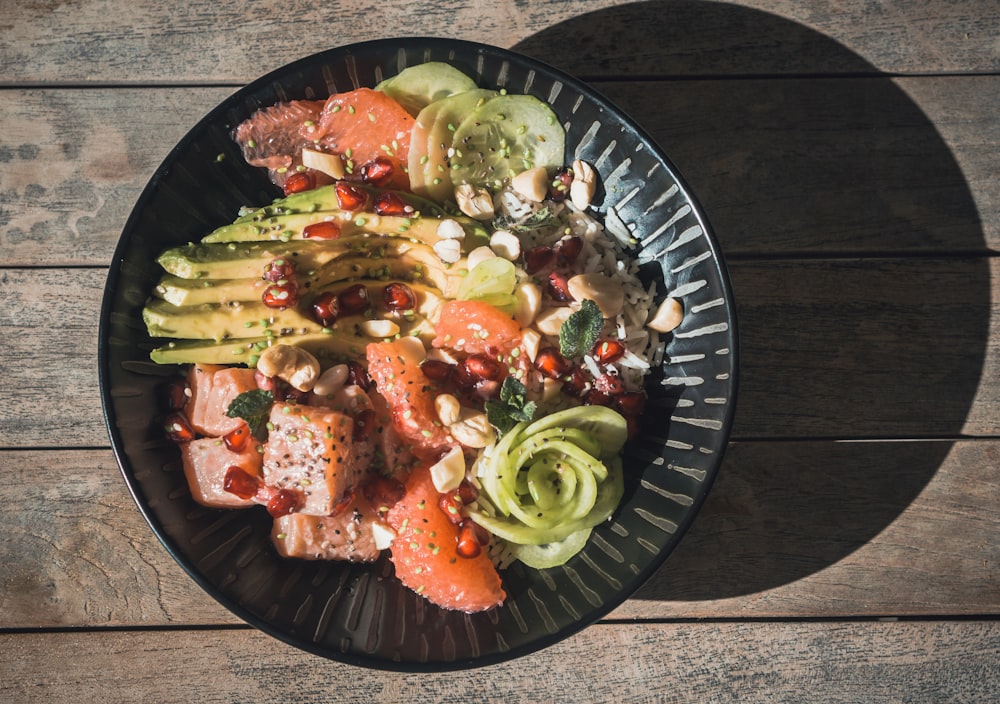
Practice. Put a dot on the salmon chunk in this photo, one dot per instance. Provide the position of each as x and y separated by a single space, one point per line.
206 462
319 452
346 536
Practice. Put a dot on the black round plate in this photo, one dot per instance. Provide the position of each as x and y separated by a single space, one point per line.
361 614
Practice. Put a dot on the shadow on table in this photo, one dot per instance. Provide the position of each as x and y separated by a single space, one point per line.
796 172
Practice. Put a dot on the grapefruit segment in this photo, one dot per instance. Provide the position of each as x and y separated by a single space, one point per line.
425 557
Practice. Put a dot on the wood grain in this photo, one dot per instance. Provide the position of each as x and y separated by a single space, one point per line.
910 163
233 41
642 663
829 348
790 530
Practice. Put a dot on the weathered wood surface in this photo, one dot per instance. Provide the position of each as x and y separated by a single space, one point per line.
790 530
870 348
234 41
766 663
847 155
910 163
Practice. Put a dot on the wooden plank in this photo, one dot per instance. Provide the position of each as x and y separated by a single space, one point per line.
790 530
751 662
829 348
881 165
231 42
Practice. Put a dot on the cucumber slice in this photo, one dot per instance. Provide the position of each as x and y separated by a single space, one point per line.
431 139
416 87
505 136
606 426
551 554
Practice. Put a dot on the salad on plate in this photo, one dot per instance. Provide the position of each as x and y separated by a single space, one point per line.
429 345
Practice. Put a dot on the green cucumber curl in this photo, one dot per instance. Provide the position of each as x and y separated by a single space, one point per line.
546 483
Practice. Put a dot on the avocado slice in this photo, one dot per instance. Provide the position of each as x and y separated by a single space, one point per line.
284 228
231 260
329 348
251 318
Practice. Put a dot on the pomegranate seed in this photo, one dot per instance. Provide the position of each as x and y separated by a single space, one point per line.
240 483
383 493
451 505
551 363
577 382
284 502
481 367
290 393
177 428
326 230
608 351
299 181
399 296
471 539
175 395
559 188
436 370
631 403
238 439
349 196
537 258
281 295
364 424
325 308
558 287
568 250
377 171
354 300
358 376
342 503
596 398
609 384
390 203
279 270
467 492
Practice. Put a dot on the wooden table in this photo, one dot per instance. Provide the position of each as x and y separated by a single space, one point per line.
848 155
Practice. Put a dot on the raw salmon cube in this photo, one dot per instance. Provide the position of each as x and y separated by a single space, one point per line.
346 536
227 384
314 451
199 381
206 462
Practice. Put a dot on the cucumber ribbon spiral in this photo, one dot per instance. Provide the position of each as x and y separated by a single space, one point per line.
548 482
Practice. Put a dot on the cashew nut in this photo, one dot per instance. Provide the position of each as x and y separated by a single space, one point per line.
550 321
449 471
527 303
450 230
668 316
383 535
332 380
531 341
379 328
449 250
448 408
584 184
289 363
472 429
478 256
607 293
505 244
532 184
477 203
329 164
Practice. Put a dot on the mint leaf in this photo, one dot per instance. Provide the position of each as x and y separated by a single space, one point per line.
512 408
581 330
253 406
